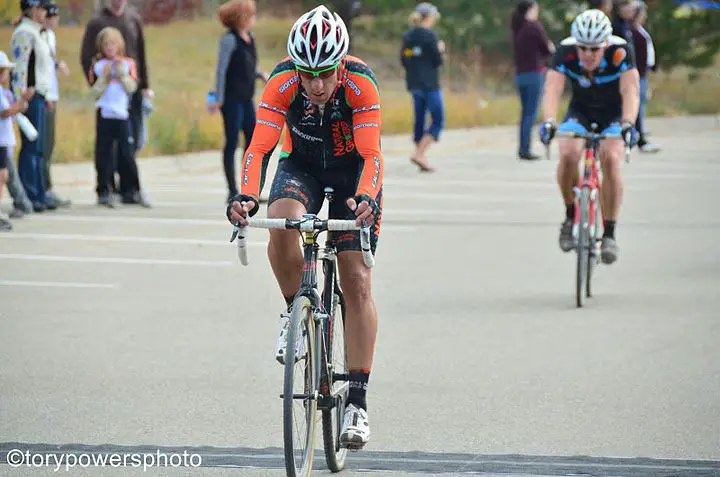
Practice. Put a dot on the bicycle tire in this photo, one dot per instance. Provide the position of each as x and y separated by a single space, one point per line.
302 316
332 418
582 246
595 255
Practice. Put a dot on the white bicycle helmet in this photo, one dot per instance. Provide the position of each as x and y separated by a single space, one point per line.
591 28
319 39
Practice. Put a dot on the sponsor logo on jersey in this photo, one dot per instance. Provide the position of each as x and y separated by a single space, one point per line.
271 108
367 125
305 136
246 169
343 141
352 85
374 107
584 82
288 84
308 115
376 177
619 56
268 123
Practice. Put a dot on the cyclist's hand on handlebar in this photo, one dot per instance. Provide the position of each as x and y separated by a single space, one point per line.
630 134
365 208
547 132
240 207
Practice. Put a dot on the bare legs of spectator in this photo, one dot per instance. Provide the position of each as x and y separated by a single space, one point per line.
424 102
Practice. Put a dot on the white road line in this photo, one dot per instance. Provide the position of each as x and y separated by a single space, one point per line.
17 283
117 238
133 261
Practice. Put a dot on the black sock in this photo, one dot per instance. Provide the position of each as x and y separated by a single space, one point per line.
609 229
289 300
570 211
358 388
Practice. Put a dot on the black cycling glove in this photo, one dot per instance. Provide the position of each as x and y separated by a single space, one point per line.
242 198
374 207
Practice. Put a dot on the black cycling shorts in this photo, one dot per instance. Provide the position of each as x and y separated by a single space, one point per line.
604 119
293 181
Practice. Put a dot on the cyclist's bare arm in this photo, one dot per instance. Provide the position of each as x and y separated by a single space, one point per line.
367 121
554 86
271 117
630 91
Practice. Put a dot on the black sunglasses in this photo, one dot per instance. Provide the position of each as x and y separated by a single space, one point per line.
589 49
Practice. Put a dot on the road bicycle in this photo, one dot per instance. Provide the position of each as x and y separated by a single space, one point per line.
586 224
316 380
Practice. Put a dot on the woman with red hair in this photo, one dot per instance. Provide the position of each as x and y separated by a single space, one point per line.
235 77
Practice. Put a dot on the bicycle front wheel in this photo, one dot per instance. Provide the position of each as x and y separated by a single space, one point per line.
300 391
594 253
583 246
332 418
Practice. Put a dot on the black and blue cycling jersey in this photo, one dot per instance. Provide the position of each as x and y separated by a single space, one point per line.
595 97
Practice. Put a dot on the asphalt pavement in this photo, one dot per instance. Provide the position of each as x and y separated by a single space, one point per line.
137 330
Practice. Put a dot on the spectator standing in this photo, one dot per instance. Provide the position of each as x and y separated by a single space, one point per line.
52 20
117 14
114 84
605 6
646 62
532 48
622 19
33 68
235 76
422 56
8 108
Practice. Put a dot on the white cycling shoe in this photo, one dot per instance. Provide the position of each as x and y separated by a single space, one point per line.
355 431
281 345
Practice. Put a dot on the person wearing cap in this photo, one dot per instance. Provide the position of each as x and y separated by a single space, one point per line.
422 55
8 108
33 69
52 20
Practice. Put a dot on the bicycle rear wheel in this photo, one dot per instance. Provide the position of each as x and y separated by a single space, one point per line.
582 248
300 391
332 418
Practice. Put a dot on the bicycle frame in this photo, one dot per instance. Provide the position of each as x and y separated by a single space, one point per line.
323 307
590 180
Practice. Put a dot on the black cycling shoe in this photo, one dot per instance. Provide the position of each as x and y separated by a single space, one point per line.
566 240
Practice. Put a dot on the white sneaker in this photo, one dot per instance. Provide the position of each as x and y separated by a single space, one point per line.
281 345
355 429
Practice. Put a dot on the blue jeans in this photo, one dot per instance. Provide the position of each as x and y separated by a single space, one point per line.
30 164
236 115
423 102
530 88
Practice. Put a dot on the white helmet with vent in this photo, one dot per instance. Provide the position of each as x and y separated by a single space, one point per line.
319 39
591 28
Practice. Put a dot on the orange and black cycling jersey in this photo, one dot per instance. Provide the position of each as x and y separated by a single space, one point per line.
342 135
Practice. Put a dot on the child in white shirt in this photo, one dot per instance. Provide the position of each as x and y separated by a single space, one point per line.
8 108
116 81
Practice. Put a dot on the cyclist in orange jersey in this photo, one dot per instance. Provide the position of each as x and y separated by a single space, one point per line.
330 105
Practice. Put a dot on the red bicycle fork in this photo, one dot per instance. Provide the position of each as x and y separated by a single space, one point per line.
590 180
